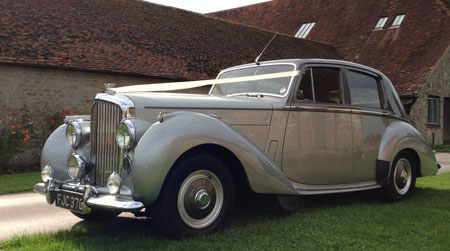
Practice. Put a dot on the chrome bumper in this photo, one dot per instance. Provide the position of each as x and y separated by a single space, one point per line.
91 197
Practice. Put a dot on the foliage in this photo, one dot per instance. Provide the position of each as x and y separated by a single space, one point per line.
14 183
56 119
351 221
14 138
441 148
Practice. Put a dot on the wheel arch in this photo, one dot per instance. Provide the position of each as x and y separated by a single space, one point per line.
401 136
184 133
230 160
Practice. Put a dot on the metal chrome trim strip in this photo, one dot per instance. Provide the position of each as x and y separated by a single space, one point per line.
343 109
203 108
320 189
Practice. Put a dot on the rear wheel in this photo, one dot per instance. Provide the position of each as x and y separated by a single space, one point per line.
402 179
196 199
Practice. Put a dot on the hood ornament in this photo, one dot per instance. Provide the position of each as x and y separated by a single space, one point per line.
108 87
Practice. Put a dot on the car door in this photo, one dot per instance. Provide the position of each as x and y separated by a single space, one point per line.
318 140
370 118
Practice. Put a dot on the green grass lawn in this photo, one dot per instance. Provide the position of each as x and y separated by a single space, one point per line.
352 221
13 183
441 148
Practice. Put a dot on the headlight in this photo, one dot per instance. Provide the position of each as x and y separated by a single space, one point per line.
73 134
76 166
46 173
113 183
125 134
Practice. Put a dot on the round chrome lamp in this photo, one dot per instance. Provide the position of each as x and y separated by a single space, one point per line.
76 166
125 134
73 134
46 173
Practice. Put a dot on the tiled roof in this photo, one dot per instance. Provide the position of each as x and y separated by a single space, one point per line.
135 38
407 54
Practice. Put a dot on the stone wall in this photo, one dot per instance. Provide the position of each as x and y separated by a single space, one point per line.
437 84
45 92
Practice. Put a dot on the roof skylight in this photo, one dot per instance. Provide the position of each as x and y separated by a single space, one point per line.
381 22
304 30
398 20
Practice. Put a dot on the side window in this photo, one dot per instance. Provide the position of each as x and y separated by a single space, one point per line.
363 89
320 85
327 85
304 92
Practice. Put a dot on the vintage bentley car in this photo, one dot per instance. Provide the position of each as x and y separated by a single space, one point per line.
287 127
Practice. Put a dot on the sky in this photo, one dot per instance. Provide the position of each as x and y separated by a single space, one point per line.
206 6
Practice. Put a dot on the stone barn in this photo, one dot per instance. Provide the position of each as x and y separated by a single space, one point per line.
408 40
55 55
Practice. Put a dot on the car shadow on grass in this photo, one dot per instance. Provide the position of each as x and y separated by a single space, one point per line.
251 209
254 207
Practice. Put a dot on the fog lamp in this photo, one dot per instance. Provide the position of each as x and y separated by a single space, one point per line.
46 173
113 183
76 166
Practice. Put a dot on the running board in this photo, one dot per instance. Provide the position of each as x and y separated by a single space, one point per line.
312 190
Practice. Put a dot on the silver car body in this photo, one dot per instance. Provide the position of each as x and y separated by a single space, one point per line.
282 147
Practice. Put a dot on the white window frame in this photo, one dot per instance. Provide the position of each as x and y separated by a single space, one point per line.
304 30
381 22
398 20
433 110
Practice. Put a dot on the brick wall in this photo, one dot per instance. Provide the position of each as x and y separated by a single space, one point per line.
45 92
437 84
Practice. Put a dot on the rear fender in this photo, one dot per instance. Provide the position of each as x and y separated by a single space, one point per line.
403 136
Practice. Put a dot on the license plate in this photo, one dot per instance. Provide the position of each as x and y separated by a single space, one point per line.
71 201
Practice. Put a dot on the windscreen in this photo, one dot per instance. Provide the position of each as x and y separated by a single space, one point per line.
270 86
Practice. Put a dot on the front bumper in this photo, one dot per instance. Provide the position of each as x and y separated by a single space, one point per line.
92 198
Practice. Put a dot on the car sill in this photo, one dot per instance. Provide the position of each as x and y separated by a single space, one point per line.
319 189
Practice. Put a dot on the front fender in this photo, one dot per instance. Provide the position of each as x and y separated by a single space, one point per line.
165 142
401 135
56 150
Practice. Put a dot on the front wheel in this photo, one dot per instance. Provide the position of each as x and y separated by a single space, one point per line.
196 199
402 178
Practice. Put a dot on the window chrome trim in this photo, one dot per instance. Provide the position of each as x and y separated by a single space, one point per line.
335 108
311 66
252 66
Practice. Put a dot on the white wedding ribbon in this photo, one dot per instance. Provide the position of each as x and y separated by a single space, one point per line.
193 84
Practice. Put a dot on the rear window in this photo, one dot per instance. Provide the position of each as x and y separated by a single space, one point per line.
364 89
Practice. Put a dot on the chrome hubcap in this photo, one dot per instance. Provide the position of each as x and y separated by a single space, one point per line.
402 176
200 199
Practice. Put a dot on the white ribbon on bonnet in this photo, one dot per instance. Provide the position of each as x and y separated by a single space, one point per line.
193 84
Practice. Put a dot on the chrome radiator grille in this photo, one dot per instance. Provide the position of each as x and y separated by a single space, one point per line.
103 148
